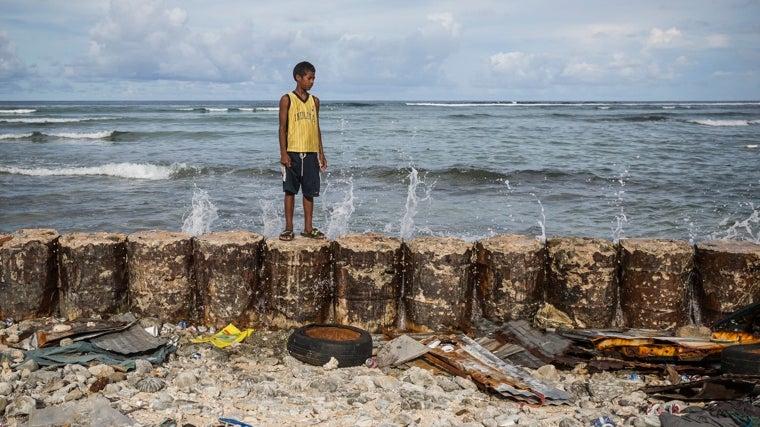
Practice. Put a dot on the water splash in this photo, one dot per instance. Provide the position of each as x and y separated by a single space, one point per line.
620 218
341 212
271 218
412 202
741 230
542 221
203 214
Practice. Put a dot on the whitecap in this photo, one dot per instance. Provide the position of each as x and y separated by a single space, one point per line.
713 122
52 119
84 135
15 135
18 111
120 170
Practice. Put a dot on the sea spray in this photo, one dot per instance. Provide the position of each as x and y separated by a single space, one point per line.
620 218
412 202
741 230
542 221
340 212
271 218
203 214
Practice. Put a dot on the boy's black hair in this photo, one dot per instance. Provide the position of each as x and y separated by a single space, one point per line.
302 68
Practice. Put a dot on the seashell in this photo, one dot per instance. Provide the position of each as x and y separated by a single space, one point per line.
150 385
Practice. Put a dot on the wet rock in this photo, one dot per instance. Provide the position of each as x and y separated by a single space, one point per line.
511 272
226 266
160 275
655 290
29 274
93 274
438 283
296 282
368 274
728 277
583 279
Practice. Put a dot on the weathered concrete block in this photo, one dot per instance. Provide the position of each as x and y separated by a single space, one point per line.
438 284
93 274
511 273
28 274
655 289
583 280
160 275
367 271
728 277
296 282
226 266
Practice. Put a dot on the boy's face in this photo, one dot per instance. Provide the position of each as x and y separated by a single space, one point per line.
305 82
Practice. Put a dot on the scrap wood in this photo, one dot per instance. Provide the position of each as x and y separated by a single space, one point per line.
400 350
77 330
464 357
711 388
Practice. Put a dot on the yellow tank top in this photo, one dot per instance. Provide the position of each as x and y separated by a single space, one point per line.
303 126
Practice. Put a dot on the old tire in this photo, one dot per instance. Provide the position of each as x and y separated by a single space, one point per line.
315 344
742 359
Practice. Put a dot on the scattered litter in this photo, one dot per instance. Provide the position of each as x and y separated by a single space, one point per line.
400 350
226 337
233 422
469 359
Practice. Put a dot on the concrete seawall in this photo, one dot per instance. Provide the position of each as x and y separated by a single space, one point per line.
372 281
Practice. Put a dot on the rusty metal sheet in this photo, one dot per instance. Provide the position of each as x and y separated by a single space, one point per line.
544 347
463 356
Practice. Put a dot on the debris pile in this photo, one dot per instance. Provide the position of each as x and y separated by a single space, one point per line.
125 371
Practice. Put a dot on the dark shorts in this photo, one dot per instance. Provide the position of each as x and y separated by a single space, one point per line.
303 173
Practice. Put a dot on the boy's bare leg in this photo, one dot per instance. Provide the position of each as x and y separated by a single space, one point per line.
308 211
290 203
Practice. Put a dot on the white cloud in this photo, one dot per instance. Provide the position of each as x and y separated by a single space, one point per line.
663 38
10 64
717 41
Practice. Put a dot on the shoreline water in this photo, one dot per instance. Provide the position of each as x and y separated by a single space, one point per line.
683 170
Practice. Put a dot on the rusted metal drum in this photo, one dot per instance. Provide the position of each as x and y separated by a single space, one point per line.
438 284
583 279
296 282
728 277
226 266
368 278
511 272
655 286
93 274
160 275
28 274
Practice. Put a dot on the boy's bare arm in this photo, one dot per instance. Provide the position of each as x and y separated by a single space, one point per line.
283 132
321 155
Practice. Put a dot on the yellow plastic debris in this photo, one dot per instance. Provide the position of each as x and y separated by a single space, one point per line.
227 336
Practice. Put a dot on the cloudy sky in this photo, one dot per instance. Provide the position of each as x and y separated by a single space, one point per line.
505 50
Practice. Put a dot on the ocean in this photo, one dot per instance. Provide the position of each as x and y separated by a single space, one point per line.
611 170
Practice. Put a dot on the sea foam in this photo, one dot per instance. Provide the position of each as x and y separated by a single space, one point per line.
120 170
84 135
712 122
18 111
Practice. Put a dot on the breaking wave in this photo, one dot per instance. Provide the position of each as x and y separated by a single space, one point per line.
120 170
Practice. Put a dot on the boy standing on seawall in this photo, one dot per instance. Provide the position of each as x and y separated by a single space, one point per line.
302 158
